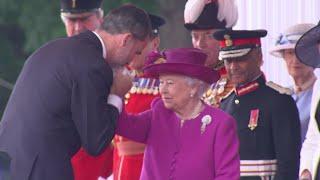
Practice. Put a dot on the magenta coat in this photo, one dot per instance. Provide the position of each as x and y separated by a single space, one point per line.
184 153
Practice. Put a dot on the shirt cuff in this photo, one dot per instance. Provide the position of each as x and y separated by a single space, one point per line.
115 101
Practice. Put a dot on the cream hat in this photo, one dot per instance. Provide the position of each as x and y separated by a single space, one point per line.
289 38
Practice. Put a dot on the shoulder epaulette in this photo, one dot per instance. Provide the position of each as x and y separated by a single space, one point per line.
228 94
279 88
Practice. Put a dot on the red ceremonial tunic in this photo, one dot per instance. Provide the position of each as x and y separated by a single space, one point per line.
86 167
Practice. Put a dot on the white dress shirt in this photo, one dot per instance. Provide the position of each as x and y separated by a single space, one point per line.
113 99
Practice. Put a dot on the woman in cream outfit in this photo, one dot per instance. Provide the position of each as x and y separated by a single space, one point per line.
307 51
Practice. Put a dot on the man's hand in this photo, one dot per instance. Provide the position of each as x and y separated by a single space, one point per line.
305 175
122 81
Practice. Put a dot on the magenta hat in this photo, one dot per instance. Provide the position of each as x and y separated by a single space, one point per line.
185 61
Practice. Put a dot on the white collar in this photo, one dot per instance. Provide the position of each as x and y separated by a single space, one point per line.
104 52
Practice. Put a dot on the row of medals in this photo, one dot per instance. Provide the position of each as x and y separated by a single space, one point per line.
210 97
151 87
147 86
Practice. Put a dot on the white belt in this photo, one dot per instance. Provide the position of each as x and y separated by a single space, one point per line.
258 167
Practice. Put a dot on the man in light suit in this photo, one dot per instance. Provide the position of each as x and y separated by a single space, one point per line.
62 98
307 51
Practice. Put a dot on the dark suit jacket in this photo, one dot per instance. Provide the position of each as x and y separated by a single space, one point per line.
277 135
59 103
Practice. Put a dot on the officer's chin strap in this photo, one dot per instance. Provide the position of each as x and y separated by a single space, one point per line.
6 84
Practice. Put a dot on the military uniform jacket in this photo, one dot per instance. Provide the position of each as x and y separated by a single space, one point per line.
59 103
268 128
219 90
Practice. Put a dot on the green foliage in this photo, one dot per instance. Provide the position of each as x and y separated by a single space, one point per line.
40 20
148 5
4 96
26 25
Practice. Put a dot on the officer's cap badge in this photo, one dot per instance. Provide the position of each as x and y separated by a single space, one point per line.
73 3
228 40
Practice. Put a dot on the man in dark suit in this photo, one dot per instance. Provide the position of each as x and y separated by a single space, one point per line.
267 118
79 16
62 99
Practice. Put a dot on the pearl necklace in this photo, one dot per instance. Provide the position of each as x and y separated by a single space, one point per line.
195 113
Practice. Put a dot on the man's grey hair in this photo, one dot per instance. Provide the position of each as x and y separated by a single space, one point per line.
99 13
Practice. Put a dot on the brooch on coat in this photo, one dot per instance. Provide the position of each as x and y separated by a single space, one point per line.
254 116
206 120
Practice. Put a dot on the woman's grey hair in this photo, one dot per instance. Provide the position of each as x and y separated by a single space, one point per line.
202 86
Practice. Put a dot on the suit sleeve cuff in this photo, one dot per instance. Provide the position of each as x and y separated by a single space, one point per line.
115 101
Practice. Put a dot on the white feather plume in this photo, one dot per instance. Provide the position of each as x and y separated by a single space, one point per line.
228 11
193 10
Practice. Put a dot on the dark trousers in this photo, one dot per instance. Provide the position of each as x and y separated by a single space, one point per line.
4 166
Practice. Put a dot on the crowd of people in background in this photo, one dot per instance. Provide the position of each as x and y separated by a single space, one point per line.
106 103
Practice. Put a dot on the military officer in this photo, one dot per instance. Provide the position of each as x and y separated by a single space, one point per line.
79 16
268 121
128 155
307 50
202 18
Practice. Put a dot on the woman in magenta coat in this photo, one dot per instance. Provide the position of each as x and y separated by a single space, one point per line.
185 138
